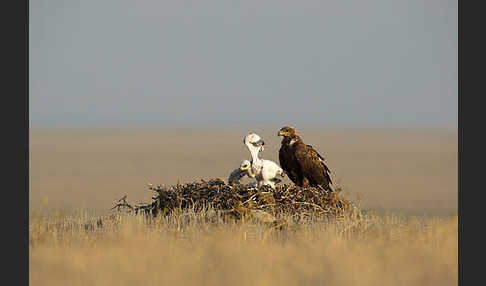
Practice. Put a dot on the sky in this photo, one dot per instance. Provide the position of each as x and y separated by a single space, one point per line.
213 63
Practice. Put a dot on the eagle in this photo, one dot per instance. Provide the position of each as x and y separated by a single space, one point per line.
266 172
238 173
302 163
267 175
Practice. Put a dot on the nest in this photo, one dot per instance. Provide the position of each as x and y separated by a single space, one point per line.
241 201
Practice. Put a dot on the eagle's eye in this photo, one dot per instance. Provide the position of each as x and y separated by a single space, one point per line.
258 143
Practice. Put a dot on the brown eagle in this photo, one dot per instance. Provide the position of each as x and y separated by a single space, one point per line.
302 163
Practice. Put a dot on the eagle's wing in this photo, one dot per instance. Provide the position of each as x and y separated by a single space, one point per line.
311 149
285 164
235 176
313 166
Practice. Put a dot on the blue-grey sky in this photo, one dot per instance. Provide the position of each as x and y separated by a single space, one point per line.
153 62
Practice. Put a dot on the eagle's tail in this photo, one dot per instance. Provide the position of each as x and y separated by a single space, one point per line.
330 189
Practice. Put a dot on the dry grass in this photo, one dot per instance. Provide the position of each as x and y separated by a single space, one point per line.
75 177
200 249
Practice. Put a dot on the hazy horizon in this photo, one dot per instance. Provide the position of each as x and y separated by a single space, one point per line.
186 63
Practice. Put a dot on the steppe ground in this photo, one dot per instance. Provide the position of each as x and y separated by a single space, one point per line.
412 171
406 177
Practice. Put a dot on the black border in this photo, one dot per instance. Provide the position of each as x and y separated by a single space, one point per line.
15 136
471 123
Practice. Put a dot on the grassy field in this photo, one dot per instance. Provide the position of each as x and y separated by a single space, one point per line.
196 249
406 179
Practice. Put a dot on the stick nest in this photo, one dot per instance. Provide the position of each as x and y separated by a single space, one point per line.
242 201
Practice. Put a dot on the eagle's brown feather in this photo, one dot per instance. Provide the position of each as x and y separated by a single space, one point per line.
288 162
302 163
313 167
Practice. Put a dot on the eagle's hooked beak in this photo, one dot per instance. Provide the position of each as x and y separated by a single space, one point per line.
280 133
